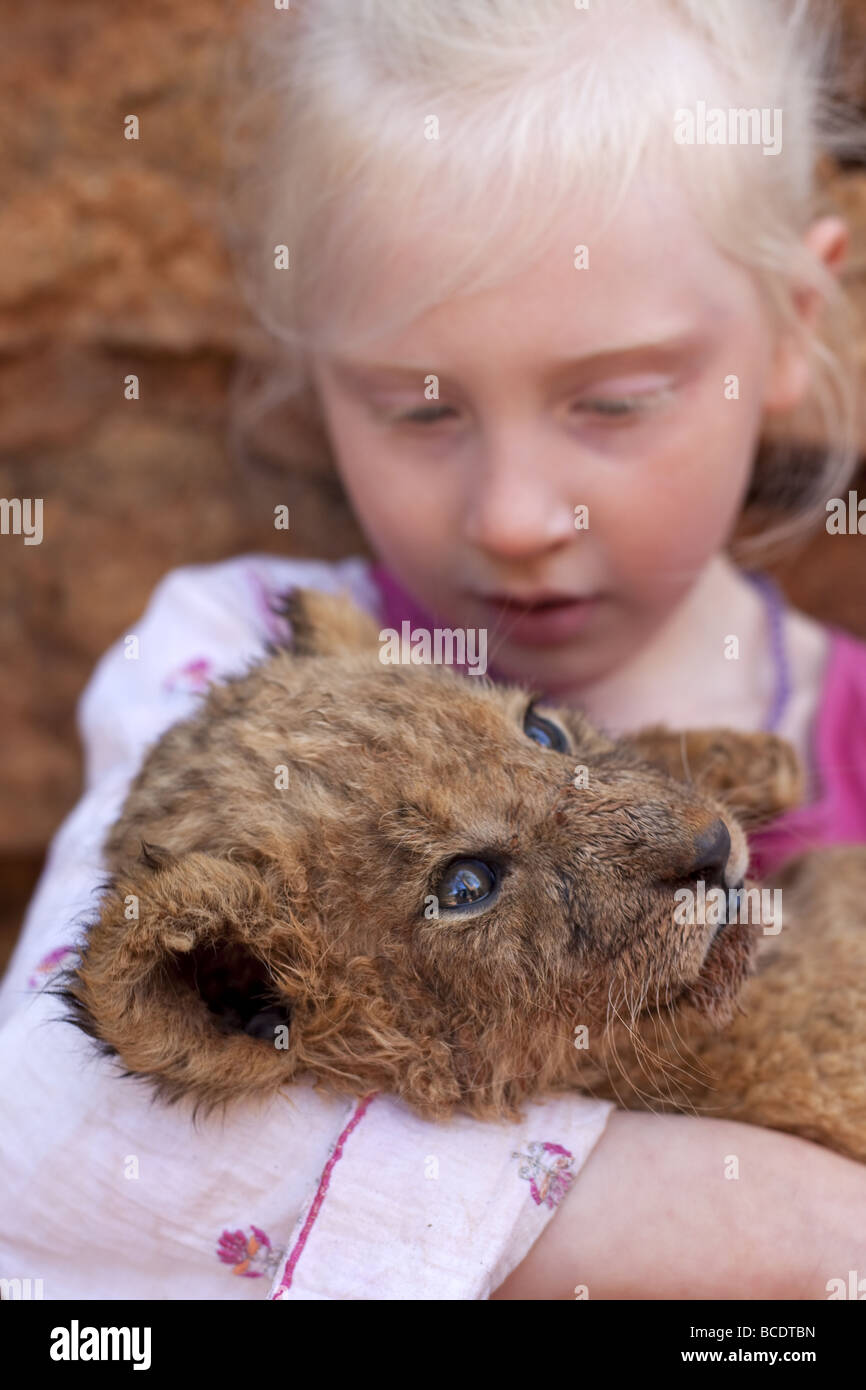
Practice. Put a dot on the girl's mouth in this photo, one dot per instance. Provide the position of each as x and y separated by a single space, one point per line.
538 620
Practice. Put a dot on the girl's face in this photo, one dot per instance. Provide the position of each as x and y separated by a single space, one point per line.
589 449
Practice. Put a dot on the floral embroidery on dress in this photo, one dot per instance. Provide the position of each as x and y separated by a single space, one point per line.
191 678
548 1170
251 1256
48 965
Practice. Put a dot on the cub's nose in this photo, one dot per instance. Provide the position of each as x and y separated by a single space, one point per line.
712 851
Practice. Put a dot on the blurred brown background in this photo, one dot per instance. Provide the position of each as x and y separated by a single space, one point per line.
112 263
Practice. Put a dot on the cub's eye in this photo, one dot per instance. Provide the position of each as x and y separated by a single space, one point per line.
466 881
544 731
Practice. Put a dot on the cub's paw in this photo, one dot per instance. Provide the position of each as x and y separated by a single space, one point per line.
758 776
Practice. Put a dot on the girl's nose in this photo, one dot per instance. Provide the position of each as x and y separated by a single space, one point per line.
516 512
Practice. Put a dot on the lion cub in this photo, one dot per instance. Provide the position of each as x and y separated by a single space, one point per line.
397 878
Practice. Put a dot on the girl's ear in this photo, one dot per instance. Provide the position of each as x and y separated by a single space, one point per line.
327 624
189 975
757 775
827 239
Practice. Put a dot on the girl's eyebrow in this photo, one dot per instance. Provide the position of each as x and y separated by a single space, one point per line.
660 351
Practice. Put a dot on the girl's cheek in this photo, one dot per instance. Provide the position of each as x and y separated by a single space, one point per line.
404 518
669 517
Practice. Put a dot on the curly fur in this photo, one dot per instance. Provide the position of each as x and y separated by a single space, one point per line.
255 932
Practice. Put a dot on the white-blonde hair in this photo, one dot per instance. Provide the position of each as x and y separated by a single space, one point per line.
539 103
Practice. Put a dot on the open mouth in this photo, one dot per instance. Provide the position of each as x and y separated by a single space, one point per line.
725 969
733 901
542 621
726 966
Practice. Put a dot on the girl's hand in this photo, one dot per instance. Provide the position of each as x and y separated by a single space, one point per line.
653 1215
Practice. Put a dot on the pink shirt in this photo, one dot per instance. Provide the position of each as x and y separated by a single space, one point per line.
838 814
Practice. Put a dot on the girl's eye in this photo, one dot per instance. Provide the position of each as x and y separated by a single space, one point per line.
603 407
621 407
611 407
429 416
466 881
544 732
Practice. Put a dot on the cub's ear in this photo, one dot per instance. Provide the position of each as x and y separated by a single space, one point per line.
326 624
757 775
214 980
189 976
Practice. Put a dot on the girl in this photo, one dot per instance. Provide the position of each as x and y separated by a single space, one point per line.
541 318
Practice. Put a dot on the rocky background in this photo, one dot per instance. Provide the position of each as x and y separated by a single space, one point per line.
112 263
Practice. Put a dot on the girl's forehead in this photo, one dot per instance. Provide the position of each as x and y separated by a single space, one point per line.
558 321
648 278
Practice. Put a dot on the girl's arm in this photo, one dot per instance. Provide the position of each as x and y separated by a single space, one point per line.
652 1214
195 626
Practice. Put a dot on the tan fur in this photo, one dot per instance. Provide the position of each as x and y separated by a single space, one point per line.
794 1057
310 906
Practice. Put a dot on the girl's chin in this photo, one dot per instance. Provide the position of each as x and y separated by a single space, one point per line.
561 677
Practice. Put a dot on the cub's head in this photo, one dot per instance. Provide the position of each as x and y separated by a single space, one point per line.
402 878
